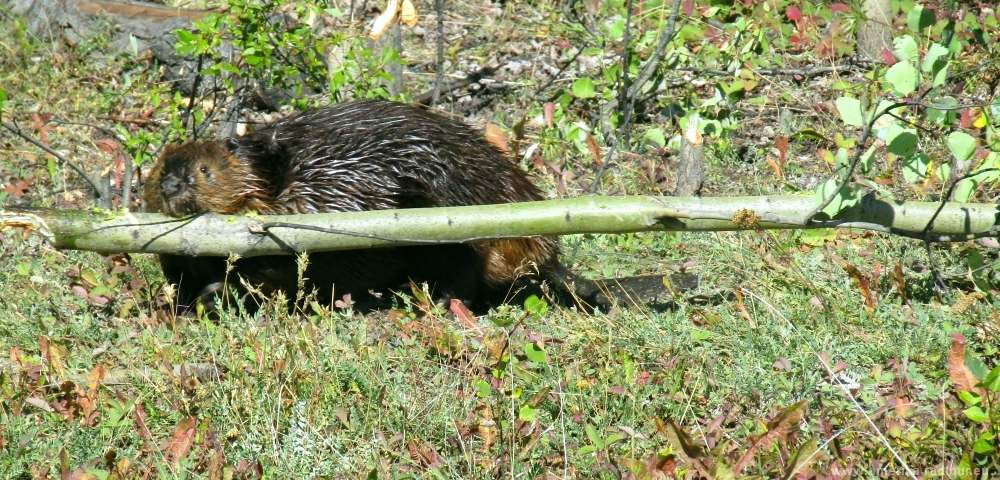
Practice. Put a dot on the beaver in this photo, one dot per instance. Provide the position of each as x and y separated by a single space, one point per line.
359 155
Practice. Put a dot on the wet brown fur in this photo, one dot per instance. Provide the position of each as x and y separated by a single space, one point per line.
362 155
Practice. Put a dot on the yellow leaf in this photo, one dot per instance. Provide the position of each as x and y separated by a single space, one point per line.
384 20
981 121
409 16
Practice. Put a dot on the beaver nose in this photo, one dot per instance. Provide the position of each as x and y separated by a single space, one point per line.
170 186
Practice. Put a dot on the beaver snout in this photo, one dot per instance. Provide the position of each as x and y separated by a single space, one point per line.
171 186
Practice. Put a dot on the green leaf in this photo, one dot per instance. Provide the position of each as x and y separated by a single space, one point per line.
935 51
595 439
965 189
882 119
920 18
867 159
613 438
939 73
992 382
970 398
976 414
586 449
841 85
527 413
534 353
617 29
900 141
810 133
985 444
700 334
184 36
536 306
975 364
592 52
850 111
3 98
944 173
134 44
840 160
655 135
482 387
334 12
584 88
915 167
905 48
845 198
945 115
962 145
53 169
904 77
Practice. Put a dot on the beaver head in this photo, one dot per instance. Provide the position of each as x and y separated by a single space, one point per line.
200 177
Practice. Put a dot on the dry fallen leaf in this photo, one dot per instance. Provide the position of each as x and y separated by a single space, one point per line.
774 165
595 149
384 20
409 16
497 137
959 373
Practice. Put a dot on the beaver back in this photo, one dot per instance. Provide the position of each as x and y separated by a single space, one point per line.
361 155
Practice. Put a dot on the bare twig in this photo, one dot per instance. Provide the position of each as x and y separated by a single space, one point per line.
194 93
137 121
801 72
855 159
98 192
426 97
127 182
951 189
439 77
644 75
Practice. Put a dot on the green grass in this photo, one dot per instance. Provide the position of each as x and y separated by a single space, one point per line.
338 394
537 391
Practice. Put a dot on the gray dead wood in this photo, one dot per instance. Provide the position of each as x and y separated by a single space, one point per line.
875 33
691 173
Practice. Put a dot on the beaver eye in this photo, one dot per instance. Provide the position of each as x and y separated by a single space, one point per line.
203 169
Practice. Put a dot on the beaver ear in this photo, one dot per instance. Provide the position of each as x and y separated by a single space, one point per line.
229 144
168 149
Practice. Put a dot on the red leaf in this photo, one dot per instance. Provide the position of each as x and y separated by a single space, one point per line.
17 188
781 143
967 119
595 149
179 444
107 144
840 7
39 123
888 57
465 316
547 111
424 454
862 282
793 13
962 378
